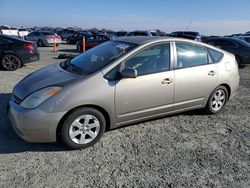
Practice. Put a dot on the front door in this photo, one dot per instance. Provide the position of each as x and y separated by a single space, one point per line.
151 92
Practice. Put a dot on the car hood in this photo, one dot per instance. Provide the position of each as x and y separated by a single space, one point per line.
52 75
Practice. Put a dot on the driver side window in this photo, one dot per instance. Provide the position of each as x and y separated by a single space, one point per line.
150 60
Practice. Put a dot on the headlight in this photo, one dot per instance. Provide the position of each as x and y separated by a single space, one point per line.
38 97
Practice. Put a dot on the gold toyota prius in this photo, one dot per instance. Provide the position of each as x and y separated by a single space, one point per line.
120 82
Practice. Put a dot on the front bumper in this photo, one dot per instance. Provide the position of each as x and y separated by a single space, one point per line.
33 125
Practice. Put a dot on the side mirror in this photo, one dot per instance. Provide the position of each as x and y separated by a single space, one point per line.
129 73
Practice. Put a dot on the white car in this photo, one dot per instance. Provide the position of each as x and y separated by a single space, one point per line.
7 30
23 32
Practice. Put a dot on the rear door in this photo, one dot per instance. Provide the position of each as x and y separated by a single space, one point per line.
151 92
195 76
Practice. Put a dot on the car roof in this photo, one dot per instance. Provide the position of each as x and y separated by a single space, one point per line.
140 39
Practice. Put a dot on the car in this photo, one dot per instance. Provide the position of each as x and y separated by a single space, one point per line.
238 47
7 30
245 38
121 82
76 37
15 52
66 33
121 33
91 41
22 32
44 38
143 33
192 35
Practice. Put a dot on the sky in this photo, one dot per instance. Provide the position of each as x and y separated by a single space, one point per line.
209 17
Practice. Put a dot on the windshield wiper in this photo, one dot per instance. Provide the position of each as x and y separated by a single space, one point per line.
76 68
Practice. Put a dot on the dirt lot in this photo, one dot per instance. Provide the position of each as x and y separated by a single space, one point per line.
185 150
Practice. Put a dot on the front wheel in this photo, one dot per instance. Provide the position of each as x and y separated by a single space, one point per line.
217 100
83 128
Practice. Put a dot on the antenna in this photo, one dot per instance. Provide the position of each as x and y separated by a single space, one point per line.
189 25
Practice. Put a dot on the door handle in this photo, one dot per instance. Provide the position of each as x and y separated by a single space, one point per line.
211 73
167 81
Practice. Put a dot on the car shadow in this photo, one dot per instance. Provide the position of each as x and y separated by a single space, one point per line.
10 141
68 50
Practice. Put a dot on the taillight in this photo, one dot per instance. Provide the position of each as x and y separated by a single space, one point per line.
49 37
29 47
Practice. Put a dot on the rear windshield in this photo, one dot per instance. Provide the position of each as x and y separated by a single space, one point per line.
22 30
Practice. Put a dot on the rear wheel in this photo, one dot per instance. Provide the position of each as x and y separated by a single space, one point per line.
83 128
217 100
239 61
11 62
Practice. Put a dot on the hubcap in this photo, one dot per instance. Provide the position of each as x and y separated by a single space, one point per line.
218 100
84 129
10 62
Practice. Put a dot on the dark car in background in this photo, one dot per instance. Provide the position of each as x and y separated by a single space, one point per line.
14 52
91 41
187 35
238 47
76 37
149 33
121 33
66 33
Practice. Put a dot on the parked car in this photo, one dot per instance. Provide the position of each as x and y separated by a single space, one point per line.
245 38
44 38
76 37
121 82
234 35
6 30
121 33
187 35
22 32
66 33
91 41
143 33
15 52
239 48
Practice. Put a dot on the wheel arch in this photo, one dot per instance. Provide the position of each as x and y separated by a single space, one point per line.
102 110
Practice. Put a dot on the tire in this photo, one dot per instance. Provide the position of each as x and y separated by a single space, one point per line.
40 43
239 61
10 62
79 48
83 128
217 100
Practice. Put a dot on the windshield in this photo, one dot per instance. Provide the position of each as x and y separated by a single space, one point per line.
100 56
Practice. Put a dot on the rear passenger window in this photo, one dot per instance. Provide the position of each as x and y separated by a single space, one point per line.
215 55
189 55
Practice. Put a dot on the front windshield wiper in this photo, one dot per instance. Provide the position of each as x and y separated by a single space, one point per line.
75 68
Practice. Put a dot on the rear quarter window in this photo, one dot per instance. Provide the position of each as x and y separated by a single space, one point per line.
215 55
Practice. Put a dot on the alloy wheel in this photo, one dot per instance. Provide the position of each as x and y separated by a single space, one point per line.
84 129
11 62
218 100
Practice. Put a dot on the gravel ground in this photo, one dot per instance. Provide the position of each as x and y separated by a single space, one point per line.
185 150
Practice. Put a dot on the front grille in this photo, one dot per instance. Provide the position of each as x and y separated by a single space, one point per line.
16 99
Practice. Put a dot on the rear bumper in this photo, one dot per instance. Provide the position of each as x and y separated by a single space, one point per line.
33 125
